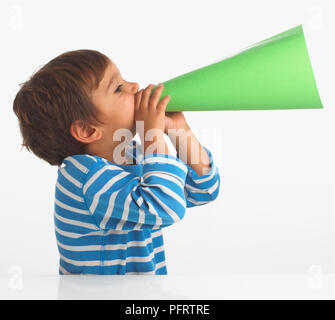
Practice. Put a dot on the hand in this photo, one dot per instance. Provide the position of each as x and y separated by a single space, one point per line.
151 112
175 120
149 109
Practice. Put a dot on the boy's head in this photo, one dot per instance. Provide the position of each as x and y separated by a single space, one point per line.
74 102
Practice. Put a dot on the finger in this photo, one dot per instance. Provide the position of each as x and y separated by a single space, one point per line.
145 96
163 103
153 103
138 97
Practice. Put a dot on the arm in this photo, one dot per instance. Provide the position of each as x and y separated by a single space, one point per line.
202 189
202 183
190 150
119 200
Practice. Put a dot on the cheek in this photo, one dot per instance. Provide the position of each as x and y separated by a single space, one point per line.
129 106
127 114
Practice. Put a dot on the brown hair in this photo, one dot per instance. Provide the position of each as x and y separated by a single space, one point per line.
53 98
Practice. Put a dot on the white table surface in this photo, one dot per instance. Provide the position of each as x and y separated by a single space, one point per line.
169 287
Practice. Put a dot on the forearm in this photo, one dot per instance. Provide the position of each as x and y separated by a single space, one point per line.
190 150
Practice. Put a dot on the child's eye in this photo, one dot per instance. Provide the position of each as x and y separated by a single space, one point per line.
117 89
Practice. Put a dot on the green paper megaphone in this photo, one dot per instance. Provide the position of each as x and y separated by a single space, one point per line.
275 73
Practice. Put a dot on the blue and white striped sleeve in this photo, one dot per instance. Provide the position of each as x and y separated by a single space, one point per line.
203 189
120 200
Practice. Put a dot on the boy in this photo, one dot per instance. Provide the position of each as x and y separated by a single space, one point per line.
112 197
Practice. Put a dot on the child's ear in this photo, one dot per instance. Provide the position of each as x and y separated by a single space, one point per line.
85 133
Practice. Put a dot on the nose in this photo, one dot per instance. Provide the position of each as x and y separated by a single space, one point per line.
135 86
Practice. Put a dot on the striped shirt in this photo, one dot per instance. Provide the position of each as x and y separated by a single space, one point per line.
109 217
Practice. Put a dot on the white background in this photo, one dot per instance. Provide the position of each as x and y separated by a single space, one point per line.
275 210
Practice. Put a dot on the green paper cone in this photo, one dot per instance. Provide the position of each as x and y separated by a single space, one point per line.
275 73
